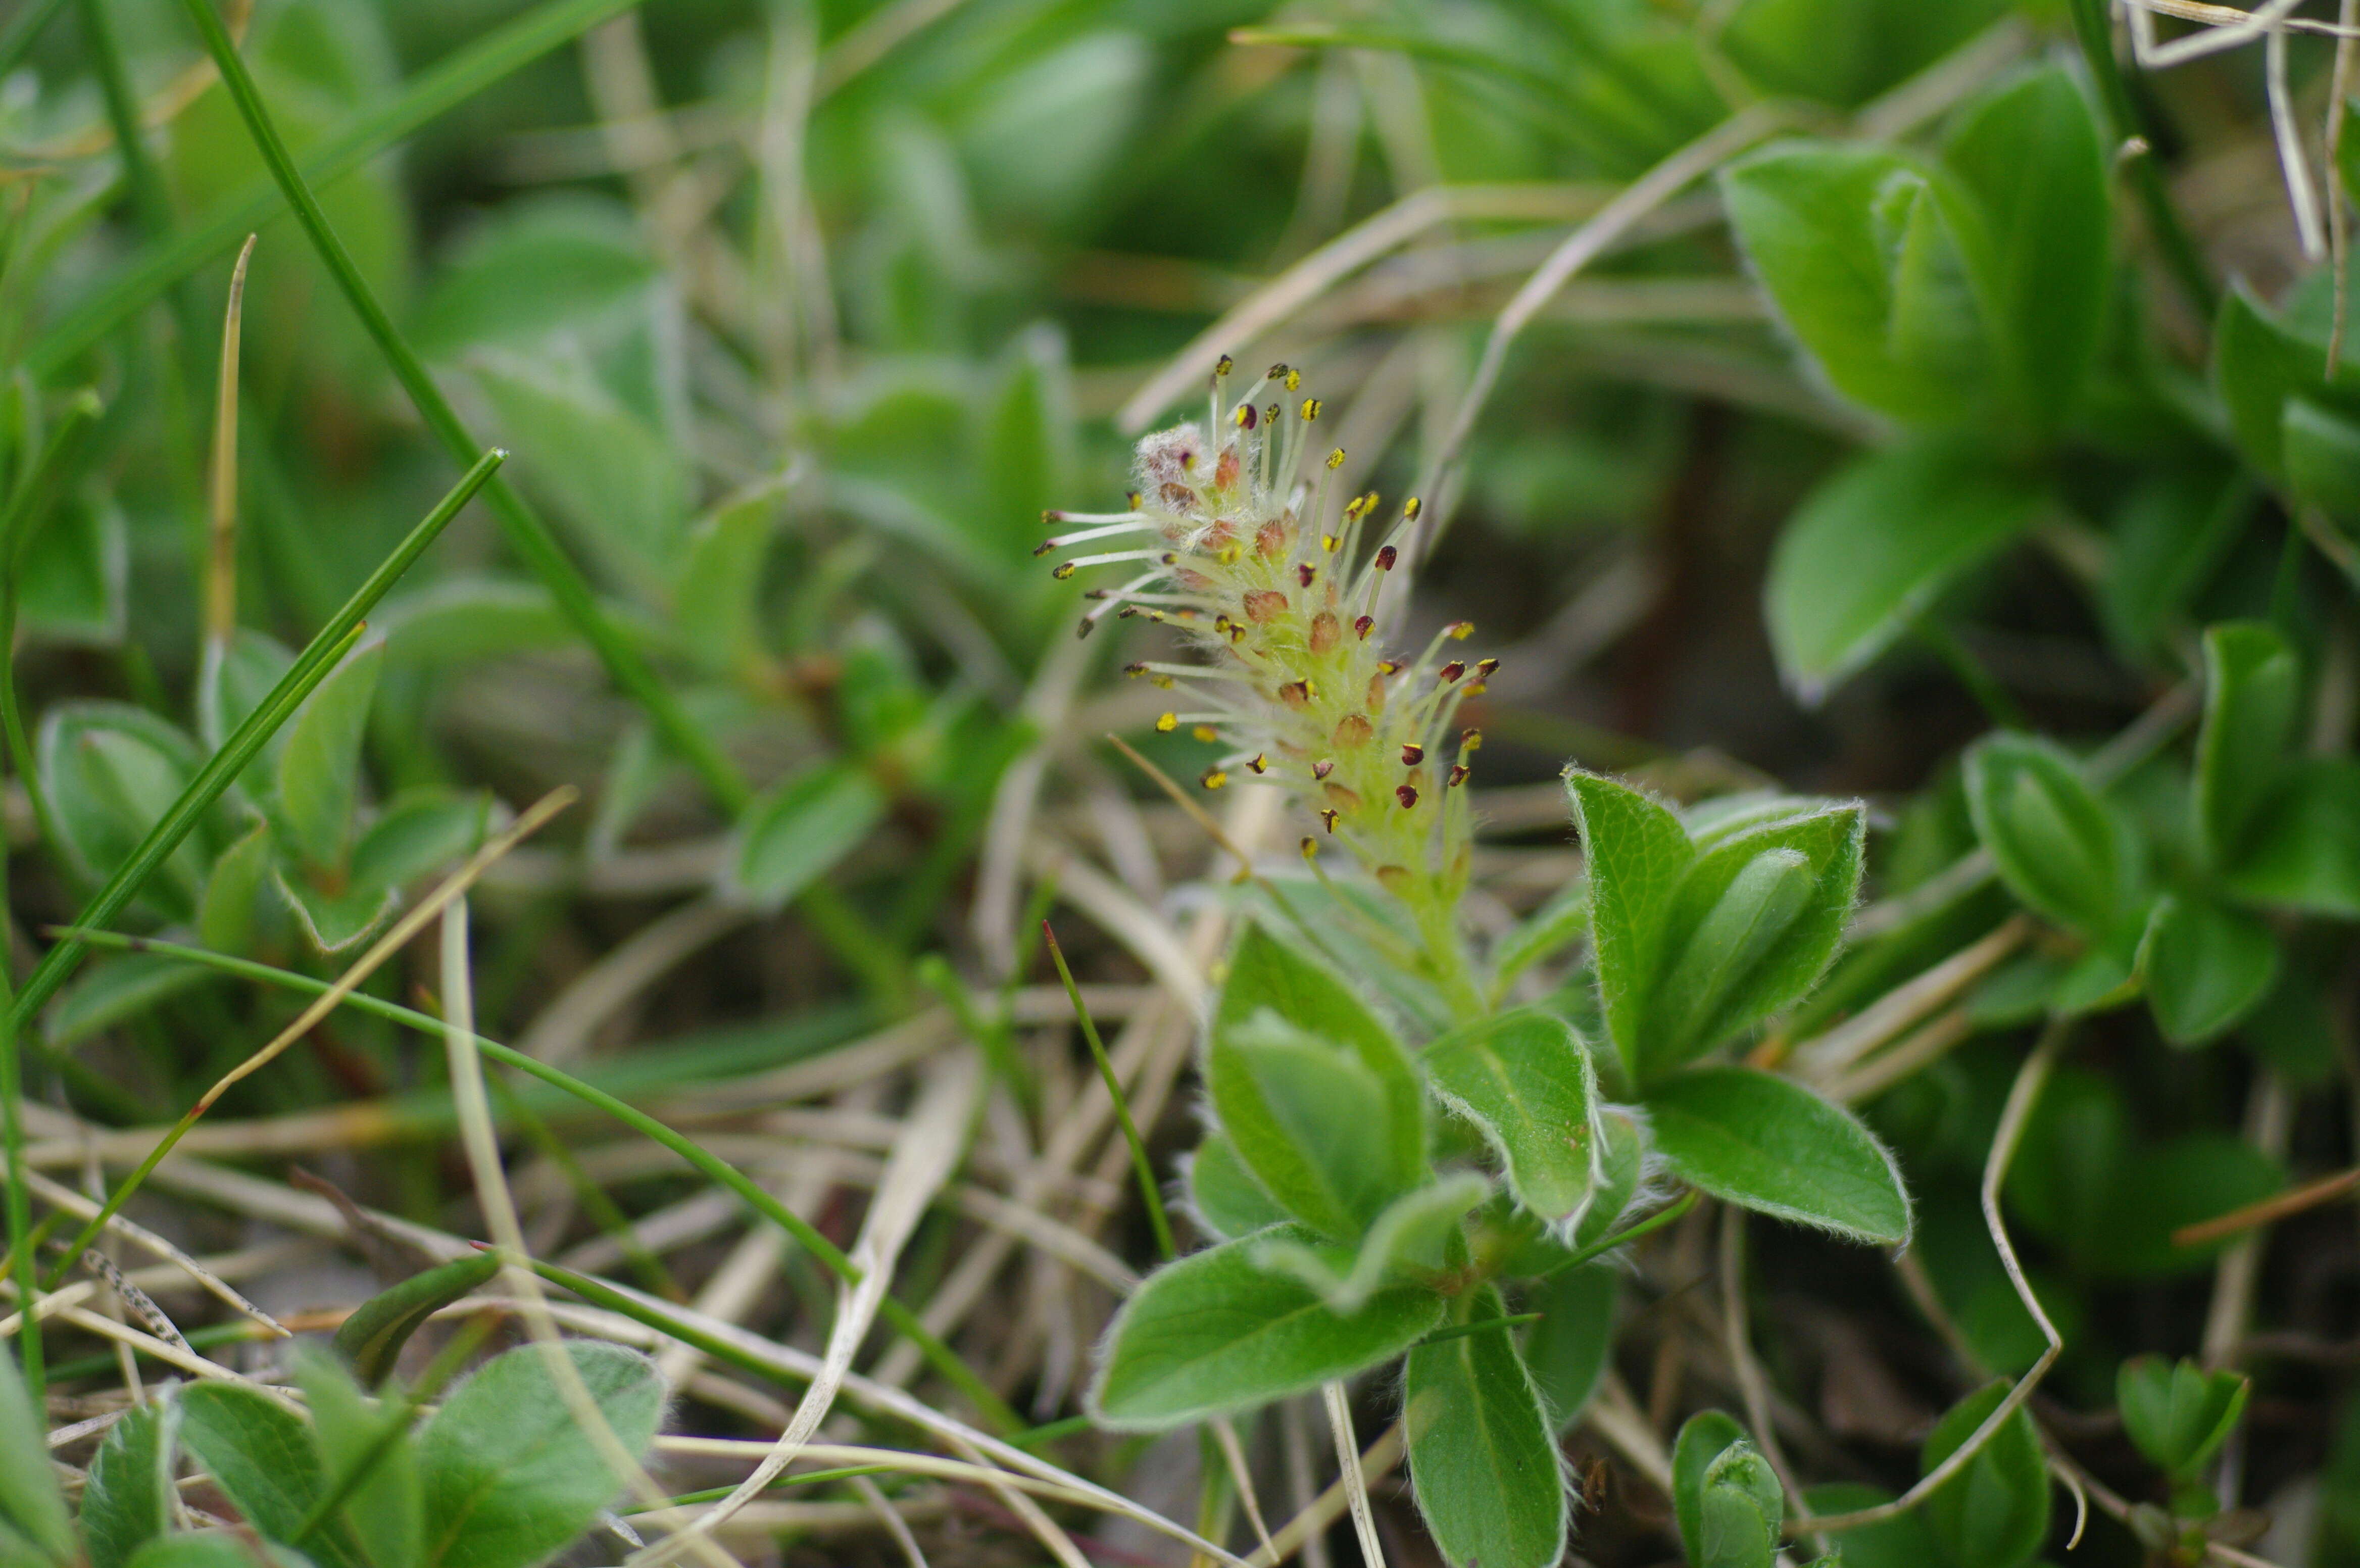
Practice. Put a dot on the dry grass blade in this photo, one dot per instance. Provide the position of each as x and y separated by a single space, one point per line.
82 1208
1355 1484
932 1141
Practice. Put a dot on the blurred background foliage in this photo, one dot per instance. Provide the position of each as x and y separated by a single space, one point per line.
795 317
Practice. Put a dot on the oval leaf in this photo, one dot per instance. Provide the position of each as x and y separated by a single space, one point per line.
1481 1450
1768 1144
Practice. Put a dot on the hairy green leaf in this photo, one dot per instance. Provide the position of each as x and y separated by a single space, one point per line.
1313 1123
1848 578
30 1503
2059 848
1738 1510
1703 1438
797 834
1766 1143
319 768
129 1500
261 1456
1226 1197
384 1509
1636 852
1525 1080
508 1477
2252 692
1567 1349
1213 1333
2305 852
1416 1237
1482 1451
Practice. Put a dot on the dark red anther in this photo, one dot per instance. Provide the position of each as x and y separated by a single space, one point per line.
1386 558
1407 794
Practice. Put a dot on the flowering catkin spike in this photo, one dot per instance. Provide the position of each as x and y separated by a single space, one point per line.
1246 552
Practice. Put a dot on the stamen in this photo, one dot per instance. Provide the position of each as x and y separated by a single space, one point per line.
1412 754
1407 794
1083 536
1364 625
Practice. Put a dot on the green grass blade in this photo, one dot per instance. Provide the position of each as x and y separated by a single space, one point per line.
432 92
527 535
1148 1190
894 1312
25 32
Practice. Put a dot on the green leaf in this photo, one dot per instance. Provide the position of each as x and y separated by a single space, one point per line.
2253 697
1766 1143
73 587
226 915
1703 1438
1872 548
1566 1349
334 921
1901 1542
1694 948
110 772
508 1477
421 832
610 474
1524 1080
2305 854
1738 1510
1227 1199
714 606
1756 922
1482 1451
535 267
802 830
233 679
213 1549
129 1500
2323 459
2178 1415
372 1337
261 1456
107 994
2258 362
2030 153
1266 975
30 1503
1213 1333
2203 966
2059 847
1413 1240
385 1510
1994 1512
1312 1123
1636 852
1846 51
319 768
1860 249
465 620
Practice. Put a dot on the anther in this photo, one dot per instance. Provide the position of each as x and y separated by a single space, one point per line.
1214 778
1247 416
1088 624
1412 754
1322 768
1457 775
1310 848
1471 740
1135 671
1310 409
1132 497
1451 672
1335 458
1389 667
1365 625
1062 571
1487 668
1295 694
1328 817
1165 723
1410 509
1206 733
1459 631
1258 762
1294 380
1043 548
1386 558
1304 574
1225 366
1276 373
1407 794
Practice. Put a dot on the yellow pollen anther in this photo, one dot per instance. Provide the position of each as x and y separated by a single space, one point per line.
1335 458
1214 778
1461 631
1310 848
1063 570
1310 409
1410 509
1293 381
1225 366
1206 732
1167 723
